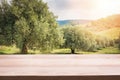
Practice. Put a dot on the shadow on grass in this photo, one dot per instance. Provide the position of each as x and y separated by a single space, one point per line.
66 53
2 53
111 53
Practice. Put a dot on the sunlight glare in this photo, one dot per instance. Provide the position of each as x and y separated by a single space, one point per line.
107 7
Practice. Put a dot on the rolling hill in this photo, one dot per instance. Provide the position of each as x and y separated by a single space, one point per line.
109 26
73 22
104 23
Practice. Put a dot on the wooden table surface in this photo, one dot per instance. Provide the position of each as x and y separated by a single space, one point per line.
59 65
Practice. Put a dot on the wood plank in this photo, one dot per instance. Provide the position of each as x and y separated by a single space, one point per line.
59 65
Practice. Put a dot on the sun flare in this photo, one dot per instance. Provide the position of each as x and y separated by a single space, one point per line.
107 7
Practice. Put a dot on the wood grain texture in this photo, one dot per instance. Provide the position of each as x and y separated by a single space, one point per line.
59 65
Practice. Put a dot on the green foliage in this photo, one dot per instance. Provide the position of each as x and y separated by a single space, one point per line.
78 38
119 42
103 42
29 24
36 26
6 24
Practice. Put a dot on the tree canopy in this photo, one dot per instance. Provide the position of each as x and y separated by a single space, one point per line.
78 38
31 24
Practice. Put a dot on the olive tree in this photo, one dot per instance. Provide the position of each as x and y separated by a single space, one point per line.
78 38
31 24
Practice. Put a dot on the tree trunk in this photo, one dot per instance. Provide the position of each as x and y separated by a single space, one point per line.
72 51
24 48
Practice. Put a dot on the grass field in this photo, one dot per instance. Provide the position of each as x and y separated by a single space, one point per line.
109 50
14 50
8 50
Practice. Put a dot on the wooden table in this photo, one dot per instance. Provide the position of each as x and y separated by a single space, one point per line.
60 65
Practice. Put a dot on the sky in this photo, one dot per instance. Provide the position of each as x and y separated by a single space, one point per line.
83 9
